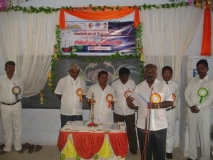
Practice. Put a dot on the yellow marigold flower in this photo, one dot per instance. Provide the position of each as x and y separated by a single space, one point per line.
142 57
49 75
55 55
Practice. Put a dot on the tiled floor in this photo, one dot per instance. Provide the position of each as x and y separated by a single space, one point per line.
52 153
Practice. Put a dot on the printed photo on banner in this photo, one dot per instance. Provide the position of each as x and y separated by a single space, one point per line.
98 37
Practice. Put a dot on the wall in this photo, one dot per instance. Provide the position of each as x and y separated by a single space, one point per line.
41 126
59 3
195 46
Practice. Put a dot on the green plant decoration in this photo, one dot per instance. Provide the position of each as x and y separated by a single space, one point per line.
58 54
49 10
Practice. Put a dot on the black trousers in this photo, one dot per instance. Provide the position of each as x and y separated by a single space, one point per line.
156 144
65 119
131 133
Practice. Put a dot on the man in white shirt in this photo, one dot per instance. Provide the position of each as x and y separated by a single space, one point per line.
70 91
11 90
199 97
104 98
122 112
170 111
151 122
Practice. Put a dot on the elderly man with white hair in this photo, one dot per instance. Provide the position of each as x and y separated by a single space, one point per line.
70 91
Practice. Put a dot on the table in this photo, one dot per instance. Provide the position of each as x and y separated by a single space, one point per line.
78 141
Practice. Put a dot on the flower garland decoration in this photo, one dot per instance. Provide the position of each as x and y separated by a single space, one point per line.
3 5
190 2
41 97
139 49
49 10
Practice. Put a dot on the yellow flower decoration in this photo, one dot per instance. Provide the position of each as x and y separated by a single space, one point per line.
142 57
50 84
50 74
55 55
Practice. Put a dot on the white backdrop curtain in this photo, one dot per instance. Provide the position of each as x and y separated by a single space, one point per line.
167 33
28 40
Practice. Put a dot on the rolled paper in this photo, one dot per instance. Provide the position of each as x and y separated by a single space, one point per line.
142 98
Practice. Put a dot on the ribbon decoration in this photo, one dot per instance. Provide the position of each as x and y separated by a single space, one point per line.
80 93
16 91
202 92
109 99
126 93
173 97
155 98
41 97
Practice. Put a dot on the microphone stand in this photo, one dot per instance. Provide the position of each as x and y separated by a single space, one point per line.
147 128
149 111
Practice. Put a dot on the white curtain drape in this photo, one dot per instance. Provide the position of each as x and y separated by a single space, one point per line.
28 40
167 33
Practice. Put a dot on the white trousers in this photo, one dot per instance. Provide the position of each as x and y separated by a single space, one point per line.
170 137
11 116
199 122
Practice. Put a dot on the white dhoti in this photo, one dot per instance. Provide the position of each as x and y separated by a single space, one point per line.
170 138
11 116
199 122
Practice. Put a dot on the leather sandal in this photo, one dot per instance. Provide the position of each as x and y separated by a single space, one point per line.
20 151
38 148
31 148
2 146
25 146
3 152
